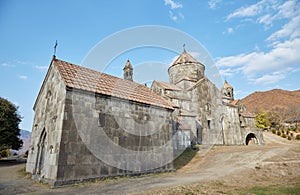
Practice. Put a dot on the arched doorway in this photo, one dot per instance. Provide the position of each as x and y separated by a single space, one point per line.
251 139
41 153
199 133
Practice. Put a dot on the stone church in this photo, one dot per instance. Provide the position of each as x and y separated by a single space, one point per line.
89 125
203 113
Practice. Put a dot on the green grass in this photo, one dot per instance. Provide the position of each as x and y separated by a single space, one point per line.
184 158
258 190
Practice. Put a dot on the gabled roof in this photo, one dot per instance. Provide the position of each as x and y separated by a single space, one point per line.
197 83
185 57
85 79
185 79
166 85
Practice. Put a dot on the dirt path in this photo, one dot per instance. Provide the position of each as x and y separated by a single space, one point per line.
278 162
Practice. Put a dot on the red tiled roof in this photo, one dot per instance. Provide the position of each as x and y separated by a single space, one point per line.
234 102
90 80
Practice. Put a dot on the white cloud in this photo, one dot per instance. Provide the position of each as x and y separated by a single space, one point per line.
267 11
181 15
173 4
287 9
173 13
227 72
23 77
266 19
172 16
228 31
290 29
7 65
259 67
42 68
213 3
251 10
268 67
270 78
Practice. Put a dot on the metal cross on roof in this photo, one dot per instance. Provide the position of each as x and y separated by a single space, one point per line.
55 47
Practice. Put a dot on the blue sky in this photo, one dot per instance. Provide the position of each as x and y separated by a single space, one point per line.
255 44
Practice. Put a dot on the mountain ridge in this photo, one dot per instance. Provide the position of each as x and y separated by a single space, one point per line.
273 99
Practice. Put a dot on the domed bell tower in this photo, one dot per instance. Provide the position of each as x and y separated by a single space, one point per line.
227 92
128 71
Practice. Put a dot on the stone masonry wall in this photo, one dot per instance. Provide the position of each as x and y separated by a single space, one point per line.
98 130
43 157
190 70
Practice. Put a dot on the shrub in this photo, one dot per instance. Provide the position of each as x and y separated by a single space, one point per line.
292 134
278 133
289 138
298 137
273 131
283 135
4 153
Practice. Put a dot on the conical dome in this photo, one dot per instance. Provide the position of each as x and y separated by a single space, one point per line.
128 65
227 85
185 57
186 67
227 91
128 71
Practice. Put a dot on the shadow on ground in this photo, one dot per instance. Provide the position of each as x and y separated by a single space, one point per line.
184 158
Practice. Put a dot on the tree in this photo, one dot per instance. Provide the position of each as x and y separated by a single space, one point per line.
9 126
262 120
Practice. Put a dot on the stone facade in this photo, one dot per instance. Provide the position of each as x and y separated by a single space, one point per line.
46 134
206 114
90 125
73 129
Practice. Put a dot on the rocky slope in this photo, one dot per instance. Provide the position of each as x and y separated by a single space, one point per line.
272 99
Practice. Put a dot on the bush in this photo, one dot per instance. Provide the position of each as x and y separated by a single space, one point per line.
273 131
283 135
4 153
293 128
298 137
278 133
292 134
289 138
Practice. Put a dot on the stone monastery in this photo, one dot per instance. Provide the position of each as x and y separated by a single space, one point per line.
86 120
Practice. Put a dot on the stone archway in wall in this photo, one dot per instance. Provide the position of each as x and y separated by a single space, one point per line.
40 161
251 139
199 132
222 121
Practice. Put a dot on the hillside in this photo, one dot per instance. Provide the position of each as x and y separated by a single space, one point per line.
270 100
25 137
